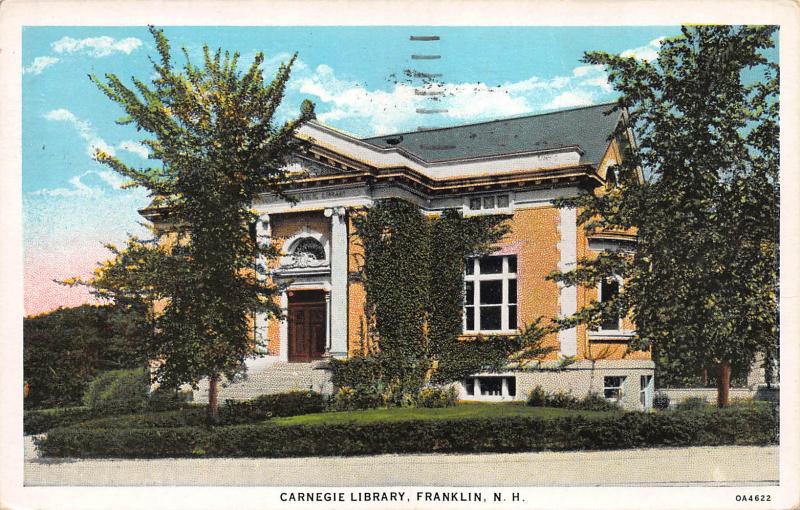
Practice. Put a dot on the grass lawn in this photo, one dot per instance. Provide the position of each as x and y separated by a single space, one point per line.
461 411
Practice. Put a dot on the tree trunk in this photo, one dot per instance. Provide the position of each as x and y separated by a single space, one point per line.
213 401
723 384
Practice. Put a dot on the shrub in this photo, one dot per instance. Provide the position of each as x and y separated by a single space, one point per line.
130 443
661 400
437 397
163 399
591 402
42 420
595 402
561 399
741 426
119 389
537 397
194 416
348 399
281 404
692 403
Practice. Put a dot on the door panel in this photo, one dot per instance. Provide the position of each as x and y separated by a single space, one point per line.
306 331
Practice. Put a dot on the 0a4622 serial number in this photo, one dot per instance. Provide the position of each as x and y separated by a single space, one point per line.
753 497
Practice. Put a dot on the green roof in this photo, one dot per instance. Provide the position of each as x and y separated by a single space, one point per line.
587 127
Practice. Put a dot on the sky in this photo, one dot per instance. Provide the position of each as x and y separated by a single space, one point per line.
72 205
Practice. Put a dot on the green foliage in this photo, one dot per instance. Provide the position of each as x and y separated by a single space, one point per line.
702 286
266 406
357 372
493 353
453 240
735 425
538 397
462 411
692 403
211 128
42 420
348 398
122 443
433 397
118 389
395 238
65 348
190 416
413 274
661 400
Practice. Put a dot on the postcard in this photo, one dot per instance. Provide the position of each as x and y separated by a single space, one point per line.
399 255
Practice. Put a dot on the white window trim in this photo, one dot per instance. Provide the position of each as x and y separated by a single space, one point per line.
476 278
620 332
621 388
504 389
468 211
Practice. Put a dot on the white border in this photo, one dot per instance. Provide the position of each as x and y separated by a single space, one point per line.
15 14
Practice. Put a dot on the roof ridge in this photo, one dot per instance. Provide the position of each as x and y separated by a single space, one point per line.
503 119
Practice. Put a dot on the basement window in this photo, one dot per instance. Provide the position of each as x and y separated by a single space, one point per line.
613 387
490 387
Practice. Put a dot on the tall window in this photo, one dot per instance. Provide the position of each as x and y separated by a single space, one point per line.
609 289
490 294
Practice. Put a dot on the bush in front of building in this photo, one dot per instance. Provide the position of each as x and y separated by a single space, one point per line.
737 425
42 420
538 397
692 403
123 443
121 390
189 416
437 397
292 403
347 398
661 400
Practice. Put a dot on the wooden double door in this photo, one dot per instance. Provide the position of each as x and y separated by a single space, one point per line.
307 320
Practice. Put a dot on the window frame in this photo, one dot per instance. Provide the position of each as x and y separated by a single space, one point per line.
620 389
619 329
482 199
505 276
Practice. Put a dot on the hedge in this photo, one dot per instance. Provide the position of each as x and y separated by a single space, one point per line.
42 420
281 404
743 426
188 417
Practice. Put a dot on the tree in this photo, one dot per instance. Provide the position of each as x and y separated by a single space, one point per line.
212 130
702 286
65 348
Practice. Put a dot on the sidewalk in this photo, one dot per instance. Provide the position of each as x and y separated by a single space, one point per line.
717 466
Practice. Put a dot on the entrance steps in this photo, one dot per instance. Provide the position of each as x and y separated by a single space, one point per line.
279 377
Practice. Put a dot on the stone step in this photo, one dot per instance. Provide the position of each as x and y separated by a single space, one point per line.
271 379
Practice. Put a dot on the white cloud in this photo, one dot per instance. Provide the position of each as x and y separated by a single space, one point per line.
96 46
84 128
352 106
91 184
570 98
648 52
134 148
111 178
79 188
39 64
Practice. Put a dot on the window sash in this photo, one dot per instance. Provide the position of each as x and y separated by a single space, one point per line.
507 306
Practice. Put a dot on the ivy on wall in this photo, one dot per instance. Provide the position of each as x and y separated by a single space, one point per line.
413 274
395 236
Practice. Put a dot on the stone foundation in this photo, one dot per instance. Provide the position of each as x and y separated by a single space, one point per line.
578 379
